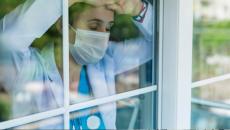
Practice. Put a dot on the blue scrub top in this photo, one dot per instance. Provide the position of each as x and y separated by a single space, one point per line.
84 88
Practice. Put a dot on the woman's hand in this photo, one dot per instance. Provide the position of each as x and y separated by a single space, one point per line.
94 2
131 7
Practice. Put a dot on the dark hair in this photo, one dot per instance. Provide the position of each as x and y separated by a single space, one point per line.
76 9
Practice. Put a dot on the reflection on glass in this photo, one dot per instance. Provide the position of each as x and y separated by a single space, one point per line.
204 117
128 81
211 44
106 50
124 114
219 92
54 123
30 58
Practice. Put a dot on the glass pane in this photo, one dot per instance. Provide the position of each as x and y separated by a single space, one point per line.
204 117
211 58
219 92
109 51
30 57
53 123
129 113
211 43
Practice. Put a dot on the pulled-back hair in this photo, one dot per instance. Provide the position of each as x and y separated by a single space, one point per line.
76 9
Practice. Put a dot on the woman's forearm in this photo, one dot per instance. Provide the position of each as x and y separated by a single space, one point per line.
71 2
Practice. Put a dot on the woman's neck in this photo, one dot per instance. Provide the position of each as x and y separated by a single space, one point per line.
74 73
74 68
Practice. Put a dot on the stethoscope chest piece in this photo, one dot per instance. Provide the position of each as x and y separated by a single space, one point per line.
93 122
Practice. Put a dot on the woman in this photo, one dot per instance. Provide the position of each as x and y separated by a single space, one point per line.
105 59
35 74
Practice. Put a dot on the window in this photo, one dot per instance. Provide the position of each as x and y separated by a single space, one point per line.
38 66
139 92
211 60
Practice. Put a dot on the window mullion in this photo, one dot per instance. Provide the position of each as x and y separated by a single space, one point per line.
66 61
31 118
112 98
210 81
175 84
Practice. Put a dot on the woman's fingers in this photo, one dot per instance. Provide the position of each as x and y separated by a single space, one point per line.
131 7
117 8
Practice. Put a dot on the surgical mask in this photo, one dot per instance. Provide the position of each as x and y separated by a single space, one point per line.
89 46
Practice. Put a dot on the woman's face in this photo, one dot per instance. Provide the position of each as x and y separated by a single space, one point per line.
98 19
95 19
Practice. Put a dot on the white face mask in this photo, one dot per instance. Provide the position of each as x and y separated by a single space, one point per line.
89 46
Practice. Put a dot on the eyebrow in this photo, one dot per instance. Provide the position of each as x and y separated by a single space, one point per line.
95 20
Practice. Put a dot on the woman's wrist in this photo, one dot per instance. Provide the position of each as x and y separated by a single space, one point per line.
138 8
140 17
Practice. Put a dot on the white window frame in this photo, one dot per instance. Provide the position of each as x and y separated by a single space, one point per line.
67 109
175 64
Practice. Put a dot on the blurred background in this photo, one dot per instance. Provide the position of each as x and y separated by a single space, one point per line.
211 58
